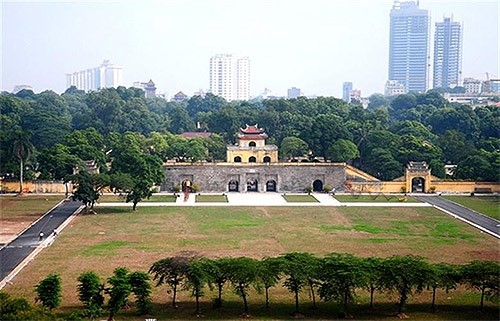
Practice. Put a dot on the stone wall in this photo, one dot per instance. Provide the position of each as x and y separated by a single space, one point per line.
289 177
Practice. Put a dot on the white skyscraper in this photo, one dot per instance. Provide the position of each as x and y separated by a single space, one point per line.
230 77
106 75
448 54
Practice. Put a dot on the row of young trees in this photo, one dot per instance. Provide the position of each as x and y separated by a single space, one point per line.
334 277
380 139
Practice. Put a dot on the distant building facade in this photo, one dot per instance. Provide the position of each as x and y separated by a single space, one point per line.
105 76
394 87
293 92
447 54
409 45
230 77
148 87
346 91
180 96
472 86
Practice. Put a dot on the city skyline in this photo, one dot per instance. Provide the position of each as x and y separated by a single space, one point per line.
314 45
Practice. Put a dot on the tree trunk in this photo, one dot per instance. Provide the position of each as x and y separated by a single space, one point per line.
434 299
111 316
134 206
21 177
346 295
313 295
372 293
267 297
402 301
219 304
296 301
482 297
197 299
174 296
244 296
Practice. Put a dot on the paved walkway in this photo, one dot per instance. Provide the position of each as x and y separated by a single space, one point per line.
482 222
266 199
18 253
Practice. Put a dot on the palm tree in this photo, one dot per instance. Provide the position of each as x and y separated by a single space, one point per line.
22 149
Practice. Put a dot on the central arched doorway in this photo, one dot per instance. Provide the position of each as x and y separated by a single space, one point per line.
252 159
233 186
317 186
417 185
271 186
266 159
252 185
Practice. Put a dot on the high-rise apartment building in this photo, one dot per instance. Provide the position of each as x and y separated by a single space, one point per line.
293 92
447 54
230 77
409 45
106 75
346 91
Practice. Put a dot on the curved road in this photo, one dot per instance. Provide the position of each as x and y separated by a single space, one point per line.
16 251
483 222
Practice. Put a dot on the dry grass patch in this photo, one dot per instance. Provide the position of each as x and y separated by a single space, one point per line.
119 237
18 212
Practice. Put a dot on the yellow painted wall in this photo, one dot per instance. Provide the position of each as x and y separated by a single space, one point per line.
246 153
37 187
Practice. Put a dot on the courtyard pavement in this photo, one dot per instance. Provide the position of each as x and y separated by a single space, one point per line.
267 199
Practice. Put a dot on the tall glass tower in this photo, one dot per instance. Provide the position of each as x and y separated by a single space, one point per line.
409 46
447 54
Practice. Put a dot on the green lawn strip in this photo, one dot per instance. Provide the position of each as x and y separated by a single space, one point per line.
300 198
487 205
160 198
375 198
211 198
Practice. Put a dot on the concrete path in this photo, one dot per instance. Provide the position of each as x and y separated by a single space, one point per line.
22 247
482 222
266 199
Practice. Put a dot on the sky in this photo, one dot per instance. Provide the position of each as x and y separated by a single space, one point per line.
314 45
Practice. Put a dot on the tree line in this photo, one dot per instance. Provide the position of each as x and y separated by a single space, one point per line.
332 278
50 133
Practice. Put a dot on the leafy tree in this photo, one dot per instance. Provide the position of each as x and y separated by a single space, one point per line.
49 291
118 291
382 164
443 276
141 288
455 146
57 162
196 279
297 272
244 273
88 187
482 166
343 151
143 169
292 147
340 275
372 266
483 276
180 121
270 270
90 293
22 149
172 271
219 271
404 275
401 105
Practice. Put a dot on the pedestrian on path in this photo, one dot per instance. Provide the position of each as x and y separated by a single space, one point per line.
54 232
40 236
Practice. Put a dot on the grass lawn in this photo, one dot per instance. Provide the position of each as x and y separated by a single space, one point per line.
211 198
167 198
300 199
487 205
375 198
18 212
119 237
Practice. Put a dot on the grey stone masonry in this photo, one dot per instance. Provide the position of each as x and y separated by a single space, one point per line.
259 177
